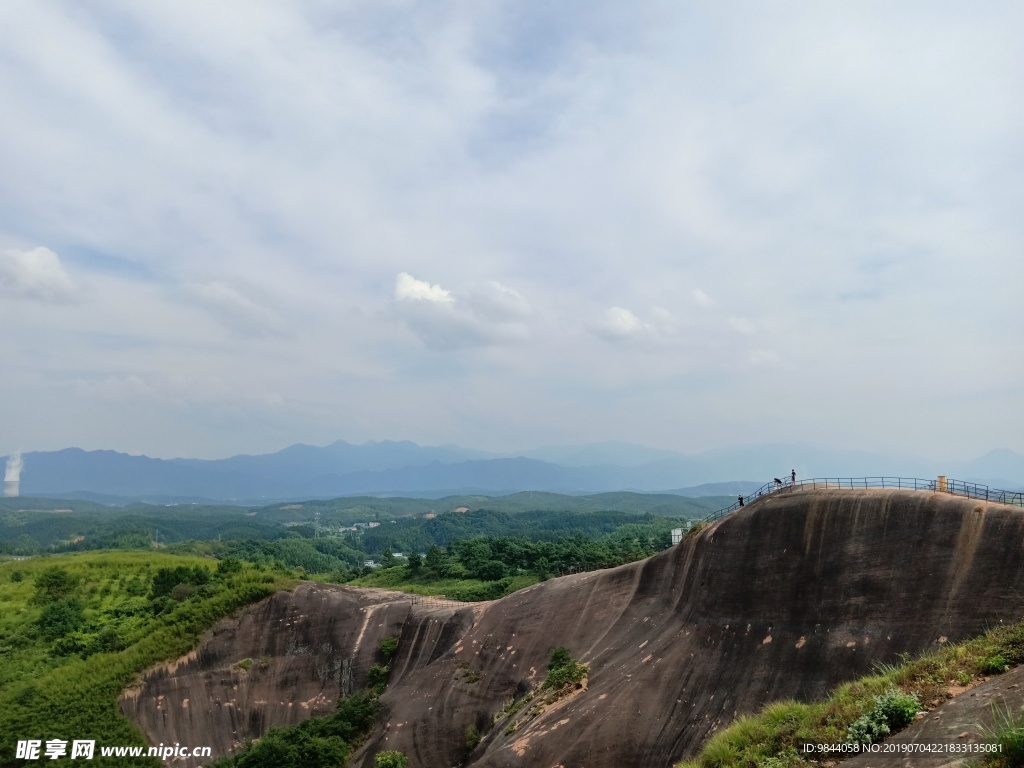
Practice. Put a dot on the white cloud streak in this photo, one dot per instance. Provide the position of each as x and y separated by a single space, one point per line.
490 314
701 299
234 309
742 325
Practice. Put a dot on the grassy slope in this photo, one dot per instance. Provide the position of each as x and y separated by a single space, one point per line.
44 695
456 589
773 738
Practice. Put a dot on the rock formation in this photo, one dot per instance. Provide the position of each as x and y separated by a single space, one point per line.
784 598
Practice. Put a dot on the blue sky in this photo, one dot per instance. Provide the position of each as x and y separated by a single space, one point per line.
227 228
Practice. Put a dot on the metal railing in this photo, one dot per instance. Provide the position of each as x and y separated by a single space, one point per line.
433 601
940 485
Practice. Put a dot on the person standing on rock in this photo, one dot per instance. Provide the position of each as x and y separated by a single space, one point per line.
741 501
792 477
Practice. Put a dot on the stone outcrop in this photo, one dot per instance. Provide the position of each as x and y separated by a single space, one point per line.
784 598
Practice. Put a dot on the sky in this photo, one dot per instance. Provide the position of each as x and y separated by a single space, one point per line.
229 227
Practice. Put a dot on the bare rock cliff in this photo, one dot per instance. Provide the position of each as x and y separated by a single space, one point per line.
783 599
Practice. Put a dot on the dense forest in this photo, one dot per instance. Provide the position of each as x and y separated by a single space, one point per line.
75 630
424 545
33 526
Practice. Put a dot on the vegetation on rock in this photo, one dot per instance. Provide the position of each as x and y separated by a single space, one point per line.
891 711
390 759
1008 735
319 742
863 711
565 675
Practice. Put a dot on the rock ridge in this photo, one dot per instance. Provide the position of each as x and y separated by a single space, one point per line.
785 598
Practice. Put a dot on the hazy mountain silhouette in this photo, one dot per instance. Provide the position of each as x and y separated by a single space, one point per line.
341 468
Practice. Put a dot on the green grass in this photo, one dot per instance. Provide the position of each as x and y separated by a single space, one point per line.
467 590
1007 734
774 737
67 686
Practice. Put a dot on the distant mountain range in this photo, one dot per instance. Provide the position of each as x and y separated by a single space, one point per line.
391 468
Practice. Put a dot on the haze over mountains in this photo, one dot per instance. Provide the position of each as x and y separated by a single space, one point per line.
405 468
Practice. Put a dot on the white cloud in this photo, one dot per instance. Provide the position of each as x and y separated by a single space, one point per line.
36 275
664 321
178 391
622 325
486 315
742 325
408 288
764 357
621 322
117 389
233 308
701 299
498 303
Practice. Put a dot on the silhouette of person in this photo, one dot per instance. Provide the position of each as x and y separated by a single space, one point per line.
792 477
778 483
741 501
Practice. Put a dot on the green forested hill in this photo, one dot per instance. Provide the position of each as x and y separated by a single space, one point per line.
29 526
75 630
474 547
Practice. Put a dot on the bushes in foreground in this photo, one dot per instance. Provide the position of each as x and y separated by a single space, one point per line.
865 710
891 712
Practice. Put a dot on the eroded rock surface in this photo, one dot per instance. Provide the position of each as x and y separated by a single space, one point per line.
782 599
276 663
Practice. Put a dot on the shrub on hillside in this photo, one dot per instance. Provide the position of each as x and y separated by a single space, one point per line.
228 566
167 579
559 657
54 583
994 664
377 677
388 646
60 617
319 742
891 712
391 759
564 672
